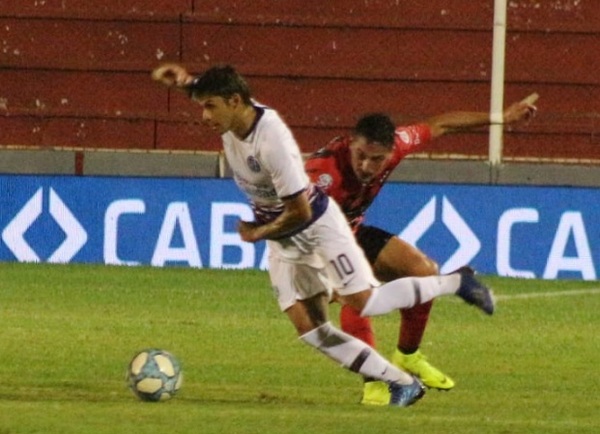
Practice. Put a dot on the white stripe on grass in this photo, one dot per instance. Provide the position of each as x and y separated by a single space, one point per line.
548 294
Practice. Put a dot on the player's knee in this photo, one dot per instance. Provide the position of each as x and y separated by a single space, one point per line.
430 267
423 267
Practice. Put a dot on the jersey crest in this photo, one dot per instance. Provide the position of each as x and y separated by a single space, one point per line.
324 181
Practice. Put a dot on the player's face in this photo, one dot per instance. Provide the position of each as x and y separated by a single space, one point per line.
217 113
368 159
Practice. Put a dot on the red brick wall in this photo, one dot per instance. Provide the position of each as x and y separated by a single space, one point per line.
75 73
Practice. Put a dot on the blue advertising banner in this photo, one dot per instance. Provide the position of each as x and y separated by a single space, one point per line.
128 221
531 232
536 232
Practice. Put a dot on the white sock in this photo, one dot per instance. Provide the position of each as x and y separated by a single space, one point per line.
354 354
409 292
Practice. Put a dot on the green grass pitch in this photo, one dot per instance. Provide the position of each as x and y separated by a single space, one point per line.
68 332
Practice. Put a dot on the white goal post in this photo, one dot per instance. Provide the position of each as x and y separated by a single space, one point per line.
497 90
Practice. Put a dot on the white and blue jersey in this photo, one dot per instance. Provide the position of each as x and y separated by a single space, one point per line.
318 257
267 166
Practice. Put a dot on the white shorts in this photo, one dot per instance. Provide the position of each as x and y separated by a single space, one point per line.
322 258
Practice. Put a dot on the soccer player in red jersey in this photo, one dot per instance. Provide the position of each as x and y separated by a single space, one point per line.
352 169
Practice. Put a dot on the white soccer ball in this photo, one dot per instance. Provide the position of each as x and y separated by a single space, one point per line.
154 375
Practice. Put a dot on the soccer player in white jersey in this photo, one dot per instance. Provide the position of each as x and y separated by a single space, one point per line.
312 248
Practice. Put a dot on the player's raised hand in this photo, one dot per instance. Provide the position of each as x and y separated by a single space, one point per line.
172 75
522 110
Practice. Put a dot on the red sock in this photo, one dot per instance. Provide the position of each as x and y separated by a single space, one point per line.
412 327
357 326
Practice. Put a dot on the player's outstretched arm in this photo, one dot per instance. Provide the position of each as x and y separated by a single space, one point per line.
173 75
455 122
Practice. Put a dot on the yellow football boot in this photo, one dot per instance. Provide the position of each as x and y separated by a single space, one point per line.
417 364
375 393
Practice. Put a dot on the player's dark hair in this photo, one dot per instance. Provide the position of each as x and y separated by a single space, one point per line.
220 80
376 127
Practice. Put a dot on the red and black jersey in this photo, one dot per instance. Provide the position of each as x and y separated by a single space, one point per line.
330 168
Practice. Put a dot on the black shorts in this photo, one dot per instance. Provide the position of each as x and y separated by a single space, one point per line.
372 240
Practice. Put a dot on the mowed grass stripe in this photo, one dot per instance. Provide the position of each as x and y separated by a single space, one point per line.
567 293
